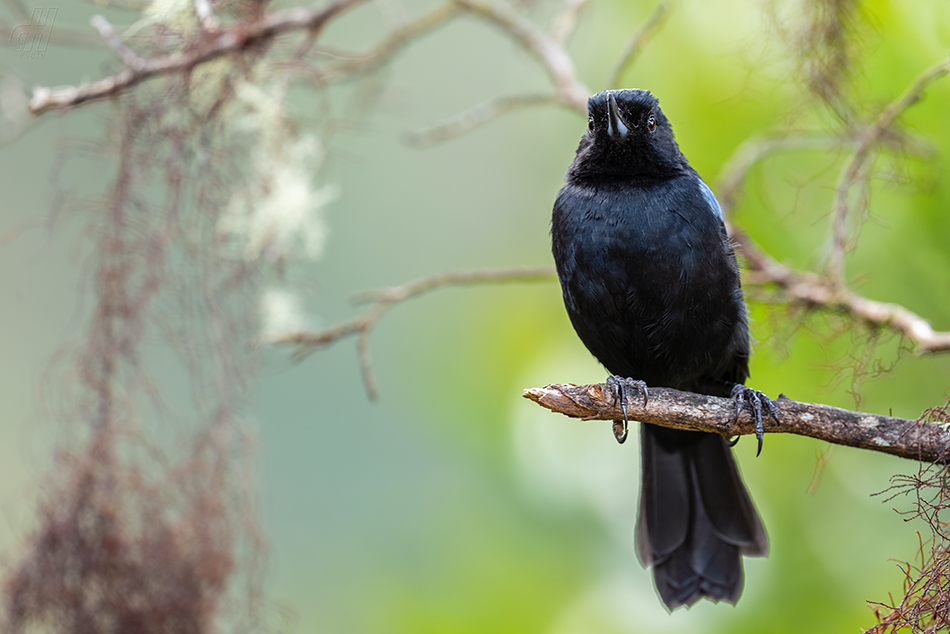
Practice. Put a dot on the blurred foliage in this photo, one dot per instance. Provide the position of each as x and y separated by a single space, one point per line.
453 505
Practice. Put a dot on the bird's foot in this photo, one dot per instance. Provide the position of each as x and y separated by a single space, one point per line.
618 386
755 400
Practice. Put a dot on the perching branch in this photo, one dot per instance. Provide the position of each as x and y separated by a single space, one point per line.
383 299
686 410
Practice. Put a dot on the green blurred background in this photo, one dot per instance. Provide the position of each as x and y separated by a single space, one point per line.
452 504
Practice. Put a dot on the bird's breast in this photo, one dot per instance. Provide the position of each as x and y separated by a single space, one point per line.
648 281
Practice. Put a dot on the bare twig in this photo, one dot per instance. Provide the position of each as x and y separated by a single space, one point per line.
552 56
813 291
223 42
550 53
565 22
809 289
637 42
548 50
375 58
855 165
697 412
477 116
383 299
750 152
112 38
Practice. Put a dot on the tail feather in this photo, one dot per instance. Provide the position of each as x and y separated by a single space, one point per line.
696 518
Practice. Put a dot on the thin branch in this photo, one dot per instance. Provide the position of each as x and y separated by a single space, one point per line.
812 291
112 38
550 53
552 56
565 22
377 57
212 46
809 289
383 299
854 167
637 42
366 365
475 117
750 152
697 412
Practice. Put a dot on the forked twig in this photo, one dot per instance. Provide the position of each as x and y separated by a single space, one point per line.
853 168
383 300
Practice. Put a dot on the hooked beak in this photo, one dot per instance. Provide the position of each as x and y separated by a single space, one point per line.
615 128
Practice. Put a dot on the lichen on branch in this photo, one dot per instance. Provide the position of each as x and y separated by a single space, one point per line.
667 407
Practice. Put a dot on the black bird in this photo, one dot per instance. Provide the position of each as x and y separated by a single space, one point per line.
651 284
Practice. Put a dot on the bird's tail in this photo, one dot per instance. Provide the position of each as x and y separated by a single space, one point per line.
696 518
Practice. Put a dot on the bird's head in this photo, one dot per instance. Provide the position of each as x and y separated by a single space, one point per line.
627 136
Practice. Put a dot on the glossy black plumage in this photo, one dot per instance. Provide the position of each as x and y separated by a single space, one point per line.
651 284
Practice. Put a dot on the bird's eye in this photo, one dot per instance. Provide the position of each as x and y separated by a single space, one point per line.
651 123
590 124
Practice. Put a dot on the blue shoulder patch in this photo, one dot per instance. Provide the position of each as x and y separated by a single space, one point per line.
711 199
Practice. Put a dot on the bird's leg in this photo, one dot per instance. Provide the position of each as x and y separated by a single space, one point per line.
756 400
618 386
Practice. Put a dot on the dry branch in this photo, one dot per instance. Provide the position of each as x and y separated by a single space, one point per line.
381 54
748 153
552 56
475 117
686 410
565 22
548 50
806 288
112 38
855 166
815 292
212 46
637 42
383 299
